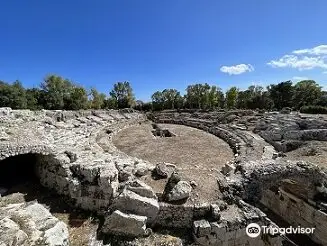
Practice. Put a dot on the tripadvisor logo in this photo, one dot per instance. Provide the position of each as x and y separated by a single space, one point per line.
253 230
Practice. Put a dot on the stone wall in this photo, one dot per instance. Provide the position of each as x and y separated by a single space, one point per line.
297 213
262 176
69 158
181 216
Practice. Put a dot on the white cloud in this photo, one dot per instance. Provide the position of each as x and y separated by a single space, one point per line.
298 78
318 50
304 59
300 63
237 69
325 72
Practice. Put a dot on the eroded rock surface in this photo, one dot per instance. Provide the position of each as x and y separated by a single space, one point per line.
31 224
123 224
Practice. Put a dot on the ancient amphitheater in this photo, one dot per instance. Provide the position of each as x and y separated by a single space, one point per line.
165 178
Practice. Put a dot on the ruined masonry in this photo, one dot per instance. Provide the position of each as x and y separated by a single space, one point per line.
76 157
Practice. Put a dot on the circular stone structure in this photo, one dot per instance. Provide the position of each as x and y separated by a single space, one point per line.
197 155
103 161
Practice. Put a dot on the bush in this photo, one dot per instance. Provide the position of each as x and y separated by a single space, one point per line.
313 109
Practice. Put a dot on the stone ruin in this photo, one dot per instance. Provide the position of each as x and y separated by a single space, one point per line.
72 153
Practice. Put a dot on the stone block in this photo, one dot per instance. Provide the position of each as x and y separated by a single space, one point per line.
130 202
201 228
122 224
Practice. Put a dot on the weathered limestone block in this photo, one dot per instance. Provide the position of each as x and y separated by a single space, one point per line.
85 173
140 188
11 234
229 168
57 235
172 181
175 216
294 134
122 224
201 228
31 224
130 202
201 210
219 228
297 212
181 190
141 169
161 170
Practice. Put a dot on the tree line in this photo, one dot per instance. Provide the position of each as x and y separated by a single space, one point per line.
274 97
56 92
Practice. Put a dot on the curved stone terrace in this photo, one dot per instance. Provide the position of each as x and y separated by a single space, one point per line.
145 174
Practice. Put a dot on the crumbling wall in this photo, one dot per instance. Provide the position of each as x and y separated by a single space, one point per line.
297 212
263 176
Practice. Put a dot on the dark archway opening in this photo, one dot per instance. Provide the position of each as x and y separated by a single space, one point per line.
18 171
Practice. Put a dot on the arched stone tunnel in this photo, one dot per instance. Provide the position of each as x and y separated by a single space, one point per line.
18 170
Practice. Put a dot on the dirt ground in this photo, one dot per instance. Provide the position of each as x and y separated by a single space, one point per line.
197 155
313 151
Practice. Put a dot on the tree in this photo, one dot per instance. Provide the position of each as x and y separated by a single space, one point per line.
281 94
323 99
231 97
172 98
5 94
97 100
197 96
167 99
57 91
138 105
157 100
13 96
122 95
306 92
110 103
243 99
34 99
215 98
77 99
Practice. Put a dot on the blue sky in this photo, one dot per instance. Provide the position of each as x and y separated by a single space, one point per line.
163 44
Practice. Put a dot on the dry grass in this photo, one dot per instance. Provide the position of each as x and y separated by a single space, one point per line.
198 155
80 229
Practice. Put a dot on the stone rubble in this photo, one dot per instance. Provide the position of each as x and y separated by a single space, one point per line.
31 224
76 157
180 191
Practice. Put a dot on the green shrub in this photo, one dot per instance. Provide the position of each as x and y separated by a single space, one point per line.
313 109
